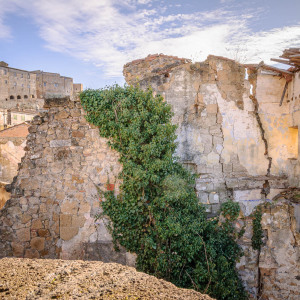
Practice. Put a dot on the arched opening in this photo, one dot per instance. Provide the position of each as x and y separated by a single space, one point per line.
18 97
32 96
25 96
11 97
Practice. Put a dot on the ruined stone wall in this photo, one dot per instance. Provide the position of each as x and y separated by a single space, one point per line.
51 213
224 132
53 85
273 272
231 132
235 136
17 87
293 98
11 152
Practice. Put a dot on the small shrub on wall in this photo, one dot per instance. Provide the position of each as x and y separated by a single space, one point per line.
157 214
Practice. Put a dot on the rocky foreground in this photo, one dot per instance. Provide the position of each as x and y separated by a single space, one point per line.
73 279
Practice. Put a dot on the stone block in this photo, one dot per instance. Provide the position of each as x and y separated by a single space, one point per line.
213 158
212 108
84 208
78 221
25 218
79 196
62 115
31 253
69 207
203 197
67 233
18 249
227 168
38 243
215 130
131 259
77 179
60 143
214 198
65 220
23 234
60 195
37 224
43 232
79 134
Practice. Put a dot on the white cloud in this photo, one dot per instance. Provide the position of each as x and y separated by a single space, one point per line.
4 31
110 33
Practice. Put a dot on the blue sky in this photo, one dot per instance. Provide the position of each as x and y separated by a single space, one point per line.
91 40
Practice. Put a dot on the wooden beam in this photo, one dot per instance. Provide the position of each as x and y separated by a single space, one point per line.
283 61
283 94
277 69
288 53
297 49
296 55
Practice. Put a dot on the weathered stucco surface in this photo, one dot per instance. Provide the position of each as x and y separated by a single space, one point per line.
273 272
231 130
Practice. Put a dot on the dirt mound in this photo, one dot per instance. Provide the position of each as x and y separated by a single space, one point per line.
73 279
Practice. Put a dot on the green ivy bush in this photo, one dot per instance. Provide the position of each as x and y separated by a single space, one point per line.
257 228
157 214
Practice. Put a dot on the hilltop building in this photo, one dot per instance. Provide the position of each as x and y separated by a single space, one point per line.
22 90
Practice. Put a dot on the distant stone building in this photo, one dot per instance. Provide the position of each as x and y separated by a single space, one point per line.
16 87
22 93
28 89
53 85
77 88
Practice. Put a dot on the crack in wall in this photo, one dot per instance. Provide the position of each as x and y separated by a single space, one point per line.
229 191
266 186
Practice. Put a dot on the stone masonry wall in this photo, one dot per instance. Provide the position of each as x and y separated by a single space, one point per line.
235 136
273 272
231 133
51 213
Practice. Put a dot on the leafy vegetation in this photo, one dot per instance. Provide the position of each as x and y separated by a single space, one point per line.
157 214
257 228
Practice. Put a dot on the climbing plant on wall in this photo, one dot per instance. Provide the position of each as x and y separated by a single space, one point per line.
157 214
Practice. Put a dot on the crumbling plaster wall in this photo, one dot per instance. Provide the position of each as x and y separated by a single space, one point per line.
273 272
227 129
235 136
51 213
293 97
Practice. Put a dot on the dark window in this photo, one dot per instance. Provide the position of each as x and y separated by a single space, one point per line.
18 97
32 96
25 96
28 75
11 97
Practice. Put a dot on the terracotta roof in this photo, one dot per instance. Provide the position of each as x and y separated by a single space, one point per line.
19 130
